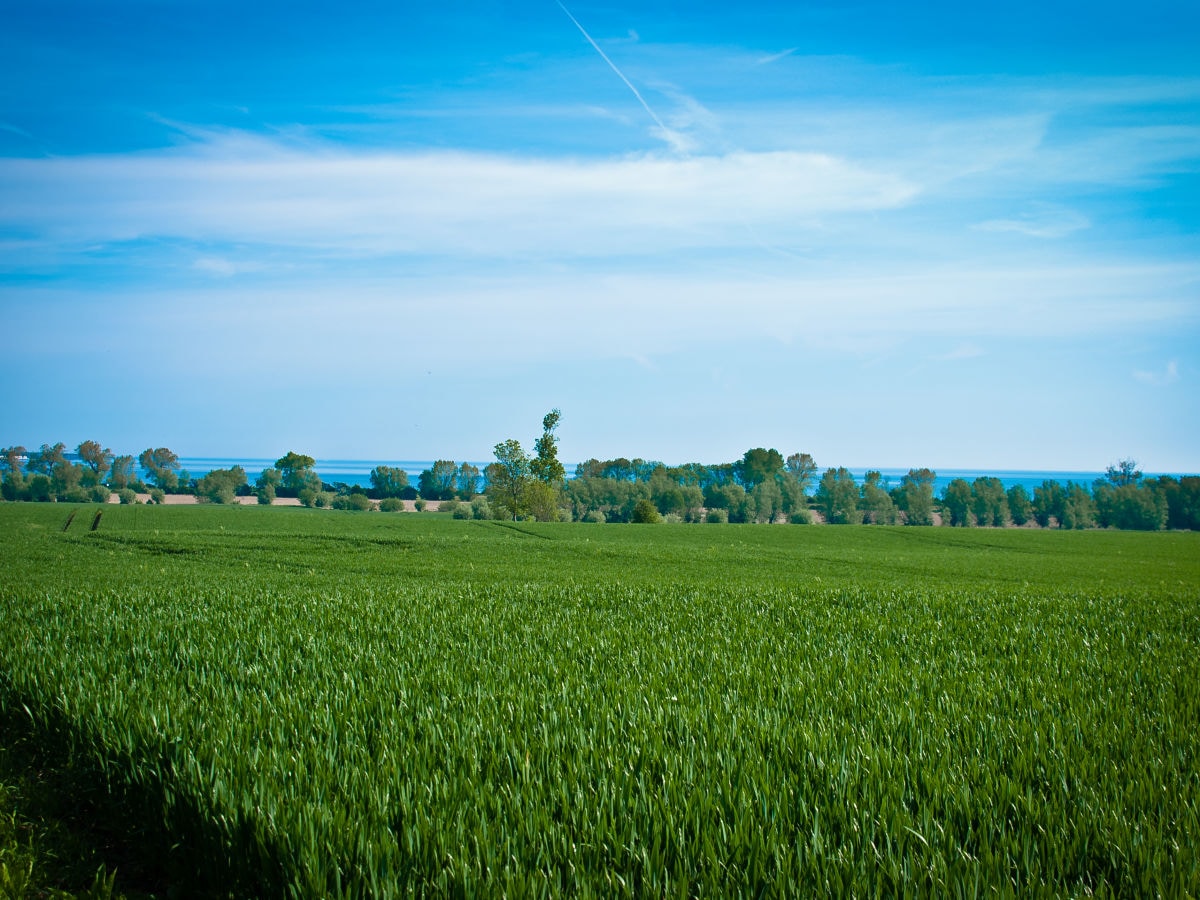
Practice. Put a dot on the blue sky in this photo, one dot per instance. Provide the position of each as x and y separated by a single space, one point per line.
955 235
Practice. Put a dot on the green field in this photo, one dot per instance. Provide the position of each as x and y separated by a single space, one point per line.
308 703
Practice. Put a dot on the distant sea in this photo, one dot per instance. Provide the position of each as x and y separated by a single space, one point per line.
358 471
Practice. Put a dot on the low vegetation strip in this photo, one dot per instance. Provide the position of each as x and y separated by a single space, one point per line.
305 703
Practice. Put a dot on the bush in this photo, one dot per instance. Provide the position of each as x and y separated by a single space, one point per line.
359 502
450 506
391 504
127 496
99 494
800 517
594 515
480 508
645 513
462 511
157 495
75 495
266 495
419 503
717 517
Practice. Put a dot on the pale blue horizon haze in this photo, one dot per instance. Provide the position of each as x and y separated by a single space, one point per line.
945 235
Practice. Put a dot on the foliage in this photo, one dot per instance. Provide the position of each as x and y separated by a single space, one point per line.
297 478
915 496
956 502
644 513
545 465
391 504
989 503
304 704
877 505
1020 509
388 481
837 498
127 496
221 485
161 466
508 479
438 482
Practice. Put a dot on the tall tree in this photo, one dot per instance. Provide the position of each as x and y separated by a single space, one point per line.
98 459
1123 473
877 505
438 481
42 462
161 466
467 481
545 465
120 476
1019 506
956 501
12 460
989 502
837 497
756 466
915 496
802 467
388 481
508 477
297 473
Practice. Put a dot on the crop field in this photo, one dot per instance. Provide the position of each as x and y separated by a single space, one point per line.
309 703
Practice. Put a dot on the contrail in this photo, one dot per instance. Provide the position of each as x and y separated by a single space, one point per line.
629 84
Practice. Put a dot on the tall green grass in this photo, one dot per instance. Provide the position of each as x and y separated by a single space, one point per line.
305 703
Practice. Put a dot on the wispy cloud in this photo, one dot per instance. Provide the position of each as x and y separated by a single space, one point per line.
1160 378
258 191
1045 221
775 57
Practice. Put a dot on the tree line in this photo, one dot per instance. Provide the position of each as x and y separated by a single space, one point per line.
763 487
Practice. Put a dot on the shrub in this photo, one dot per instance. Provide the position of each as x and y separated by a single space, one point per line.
359 502
127 496
419 503
391 504
480 508
717 517
99 494
266 495
461 511
157 495
645 513
800 517
450 506
594 515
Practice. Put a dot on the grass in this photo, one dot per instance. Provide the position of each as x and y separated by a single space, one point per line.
308 703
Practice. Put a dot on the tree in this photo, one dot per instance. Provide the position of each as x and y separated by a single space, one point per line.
989 502
221 485
161 466
508 478
12 459
120 475
1183 501
438 481
545 465
1123 473
877 505
388 481
837 497
98 460
467 481
956 501
1049 502
42 462
915 496
1131 505
297 474
802 467
1019 506
645 513
756 466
